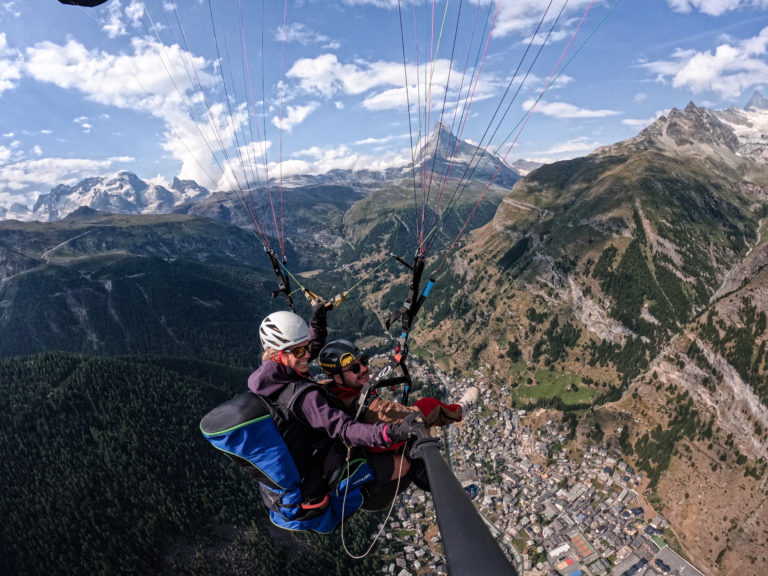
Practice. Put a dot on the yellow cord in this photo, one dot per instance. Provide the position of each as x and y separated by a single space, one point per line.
336 300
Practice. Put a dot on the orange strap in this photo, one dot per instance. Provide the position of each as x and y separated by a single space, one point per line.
321 504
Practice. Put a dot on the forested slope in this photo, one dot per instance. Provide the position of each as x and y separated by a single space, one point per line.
104 471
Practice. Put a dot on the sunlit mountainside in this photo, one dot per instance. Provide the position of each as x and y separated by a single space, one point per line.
638 273
632 278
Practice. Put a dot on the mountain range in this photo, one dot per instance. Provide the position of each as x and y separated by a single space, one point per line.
125 193
632 281
119 193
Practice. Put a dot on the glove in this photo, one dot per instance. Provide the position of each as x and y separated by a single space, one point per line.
401 431
438 414
318 301
337 300
320 309
320 305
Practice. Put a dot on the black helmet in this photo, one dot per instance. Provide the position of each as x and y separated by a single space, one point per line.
337 355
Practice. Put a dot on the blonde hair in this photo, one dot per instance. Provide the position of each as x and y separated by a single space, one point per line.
270 354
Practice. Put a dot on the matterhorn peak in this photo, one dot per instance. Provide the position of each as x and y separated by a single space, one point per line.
757 102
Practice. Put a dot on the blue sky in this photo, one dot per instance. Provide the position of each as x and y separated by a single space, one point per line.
89 91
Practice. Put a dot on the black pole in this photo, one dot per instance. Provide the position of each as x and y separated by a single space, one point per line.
468 545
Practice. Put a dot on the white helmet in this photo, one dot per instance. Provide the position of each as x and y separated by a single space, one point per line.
281 330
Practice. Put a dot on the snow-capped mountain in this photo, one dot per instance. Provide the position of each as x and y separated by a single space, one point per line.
441 155
750 126
122 192
15 212
445 155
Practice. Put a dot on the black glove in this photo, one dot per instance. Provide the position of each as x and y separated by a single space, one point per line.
319 304
401 431
320 309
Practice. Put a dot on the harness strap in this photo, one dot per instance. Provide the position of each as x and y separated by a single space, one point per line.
322 504
299 389
283 282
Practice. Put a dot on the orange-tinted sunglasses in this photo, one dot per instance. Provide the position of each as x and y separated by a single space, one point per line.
300 351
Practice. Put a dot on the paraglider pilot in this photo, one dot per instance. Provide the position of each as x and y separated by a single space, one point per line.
347 366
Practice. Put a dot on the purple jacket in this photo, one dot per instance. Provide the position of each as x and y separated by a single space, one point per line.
314 408
271 377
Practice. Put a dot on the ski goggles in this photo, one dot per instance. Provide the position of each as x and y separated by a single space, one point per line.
300 351
356 367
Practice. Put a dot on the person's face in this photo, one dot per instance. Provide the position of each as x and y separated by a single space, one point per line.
356 375
297 357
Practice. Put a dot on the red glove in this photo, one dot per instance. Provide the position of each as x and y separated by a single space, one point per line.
438 414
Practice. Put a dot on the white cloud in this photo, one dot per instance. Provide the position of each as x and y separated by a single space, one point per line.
83 122
714 7
298 32
10 8
564 150
383 82
294 115
204 148
522 16
10 66
318 153
248 166
322 160
519 17
638 122
577 145
137 81
388 99
390 4
116 21
153 80
134 12
565 110
728 71
381 140
327 76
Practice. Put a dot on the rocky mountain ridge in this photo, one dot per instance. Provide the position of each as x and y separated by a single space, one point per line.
121 193
641 269
125 193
